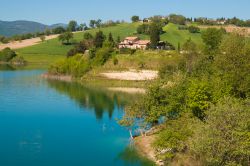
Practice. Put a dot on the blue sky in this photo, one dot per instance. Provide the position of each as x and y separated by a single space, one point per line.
61 11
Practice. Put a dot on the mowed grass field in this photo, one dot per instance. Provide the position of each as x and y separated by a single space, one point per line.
175 36
52 50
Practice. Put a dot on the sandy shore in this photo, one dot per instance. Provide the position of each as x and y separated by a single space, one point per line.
144 146
128 90
25 43
132 75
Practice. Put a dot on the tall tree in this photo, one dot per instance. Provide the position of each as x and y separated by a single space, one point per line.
154 31
98 23
99 39
66 36
72 26
212 38
135 18
92 23
190 54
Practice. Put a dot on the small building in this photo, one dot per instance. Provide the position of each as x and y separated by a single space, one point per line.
134 43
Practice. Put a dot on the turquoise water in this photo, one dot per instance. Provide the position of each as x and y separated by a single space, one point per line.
50 123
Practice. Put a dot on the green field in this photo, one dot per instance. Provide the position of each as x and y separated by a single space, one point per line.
52 50
174 35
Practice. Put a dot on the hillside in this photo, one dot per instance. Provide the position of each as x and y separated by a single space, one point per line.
10 28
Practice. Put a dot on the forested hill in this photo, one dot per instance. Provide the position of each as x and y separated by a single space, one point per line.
10 28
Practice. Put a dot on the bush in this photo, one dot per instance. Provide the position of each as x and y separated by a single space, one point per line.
102 55
7 54
193 29
18 60
115 61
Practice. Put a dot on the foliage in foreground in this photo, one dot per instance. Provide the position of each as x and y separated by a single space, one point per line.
201 104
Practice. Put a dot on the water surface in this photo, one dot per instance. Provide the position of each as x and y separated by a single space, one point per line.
53 123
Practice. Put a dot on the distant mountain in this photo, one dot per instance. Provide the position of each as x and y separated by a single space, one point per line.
10 28
58 25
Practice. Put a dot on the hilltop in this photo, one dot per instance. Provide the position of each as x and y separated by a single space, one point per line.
10 28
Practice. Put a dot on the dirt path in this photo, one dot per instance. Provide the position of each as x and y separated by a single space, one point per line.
132 75
25 43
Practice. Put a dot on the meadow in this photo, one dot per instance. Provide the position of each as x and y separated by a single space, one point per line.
48 52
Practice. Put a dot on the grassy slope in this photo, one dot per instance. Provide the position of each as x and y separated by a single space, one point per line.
173 35
52 50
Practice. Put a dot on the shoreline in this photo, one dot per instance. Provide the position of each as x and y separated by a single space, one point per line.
143 144
57 77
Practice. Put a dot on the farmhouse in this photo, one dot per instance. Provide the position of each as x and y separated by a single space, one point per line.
134 43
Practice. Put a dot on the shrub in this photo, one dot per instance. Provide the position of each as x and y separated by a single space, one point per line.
7 54
193 29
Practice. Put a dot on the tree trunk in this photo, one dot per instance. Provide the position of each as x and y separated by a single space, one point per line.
130 133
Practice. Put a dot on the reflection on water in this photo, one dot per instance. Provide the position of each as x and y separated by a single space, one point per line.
130 157
54 123
97 99
6 67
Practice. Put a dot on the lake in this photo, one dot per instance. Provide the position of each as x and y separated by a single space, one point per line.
50 123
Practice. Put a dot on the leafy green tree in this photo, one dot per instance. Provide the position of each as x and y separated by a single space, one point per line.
98 23
66 36
7 54
155 31
233 64
225 137
190 54
177 19
58 30
92 23
212 38
199 97
111 40
99 39
135 18
72 26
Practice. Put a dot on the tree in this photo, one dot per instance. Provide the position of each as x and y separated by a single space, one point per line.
92 23
118 40
66 36
193 29
135 18
58 30
177 19
155 31
225 137
111 40
87 36
72 26
7 54
190 54
212 38
99 39
42 38
98 23
233 64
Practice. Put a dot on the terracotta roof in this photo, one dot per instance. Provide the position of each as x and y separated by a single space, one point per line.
143 42
131 38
